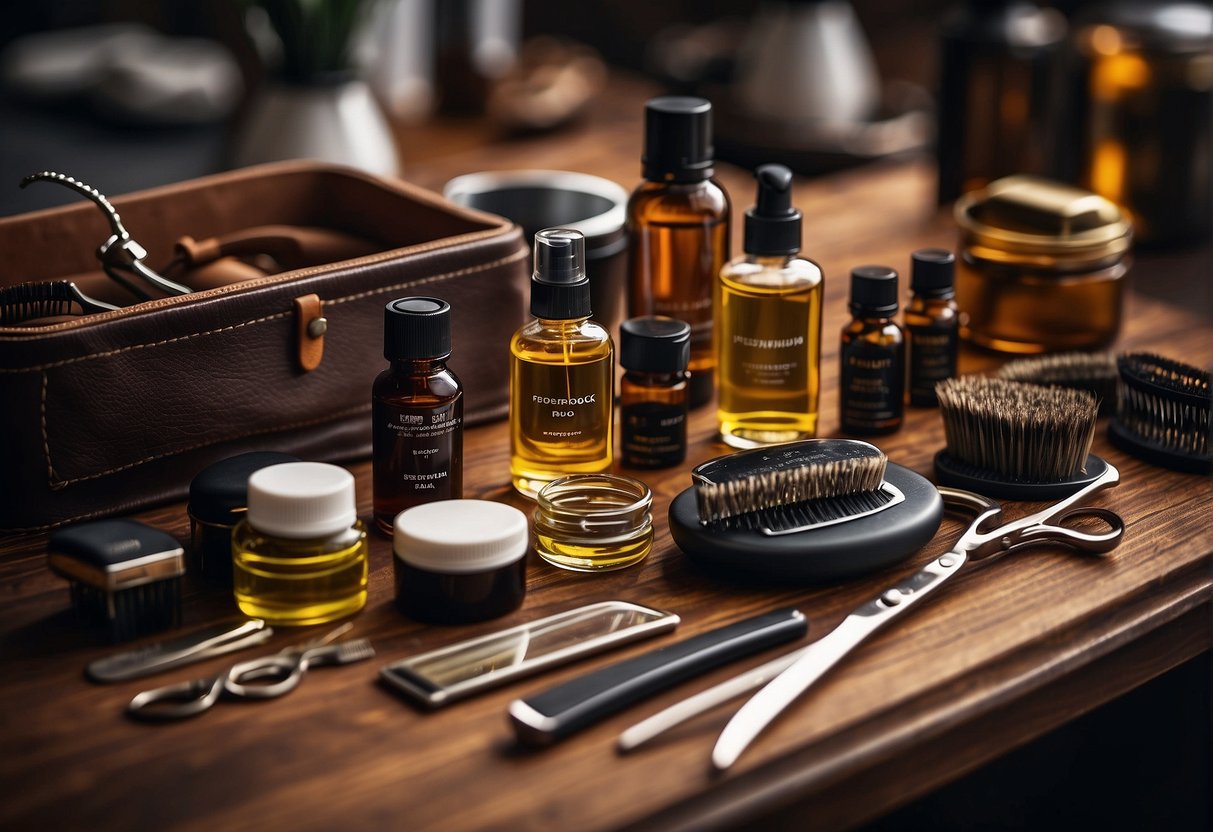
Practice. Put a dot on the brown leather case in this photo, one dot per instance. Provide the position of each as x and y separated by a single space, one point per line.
109 412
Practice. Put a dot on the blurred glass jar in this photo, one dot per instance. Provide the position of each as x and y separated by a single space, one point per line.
1042 266
1143 108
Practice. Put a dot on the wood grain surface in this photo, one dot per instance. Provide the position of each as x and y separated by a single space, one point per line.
1004 653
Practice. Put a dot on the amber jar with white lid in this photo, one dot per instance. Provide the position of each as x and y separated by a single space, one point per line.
1042 266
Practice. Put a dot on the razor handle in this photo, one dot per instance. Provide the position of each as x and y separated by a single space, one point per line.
565 709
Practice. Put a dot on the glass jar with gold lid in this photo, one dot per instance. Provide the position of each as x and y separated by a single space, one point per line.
1042 266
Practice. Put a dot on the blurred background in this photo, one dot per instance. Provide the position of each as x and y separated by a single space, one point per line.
1114 96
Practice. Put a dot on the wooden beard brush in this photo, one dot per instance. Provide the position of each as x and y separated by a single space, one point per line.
1162 413
1016 441
814 510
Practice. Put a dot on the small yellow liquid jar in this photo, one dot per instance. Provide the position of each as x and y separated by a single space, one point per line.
1042 266
299 557
594 522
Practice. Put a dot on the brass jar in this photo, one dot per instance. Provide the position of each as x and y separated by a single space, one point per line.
1042 266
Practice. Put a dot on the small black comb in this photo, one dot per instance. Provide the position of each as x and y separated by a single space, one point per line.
29 301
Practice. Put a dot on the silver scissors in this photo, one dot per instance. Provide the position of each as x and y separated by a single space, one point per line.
787 677
263 678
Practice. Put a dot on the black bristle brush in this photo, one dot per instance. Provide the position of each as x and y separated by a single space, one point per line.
31 301
1093 371
1163 412
1014 440
818 509
125 576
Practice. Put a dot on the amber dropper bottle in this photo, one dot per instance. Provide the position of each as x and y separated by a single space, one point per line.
872 356
678 228
932 323
562 373
653 394
416 412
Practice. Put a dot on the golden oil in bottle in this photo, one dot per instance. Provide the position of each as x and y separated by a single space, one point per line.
300 556
768 339
678 229
562 373
594 523
654 352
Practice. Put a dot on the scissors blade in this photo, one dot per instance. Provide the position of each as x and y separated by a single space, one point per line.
826 652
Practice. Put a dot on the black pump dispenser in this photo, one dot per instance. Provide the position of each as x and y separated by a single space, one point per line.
772 226
560 289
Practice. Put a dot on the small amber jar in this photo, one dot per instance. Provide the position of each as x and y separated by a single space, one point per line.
1042 266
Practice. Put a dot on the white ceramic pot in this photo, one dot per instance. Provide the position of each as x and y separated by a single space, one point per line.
337 122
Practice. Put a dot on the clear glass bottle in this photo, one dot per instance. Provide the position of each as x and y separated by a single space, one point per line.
300 556
872 356
768 310
562 373
932 323
416 412
654 352
678 228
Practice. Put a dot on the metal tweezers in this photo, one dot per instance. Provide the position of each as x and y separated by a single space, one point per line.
215 640
783 680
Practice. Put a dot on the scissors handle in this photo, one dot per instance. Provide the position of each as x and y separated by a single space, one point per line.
1057 530
267 677
818 658
177 701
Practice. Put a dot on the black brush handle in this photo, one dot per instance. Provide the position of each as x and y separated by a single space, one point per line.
557 712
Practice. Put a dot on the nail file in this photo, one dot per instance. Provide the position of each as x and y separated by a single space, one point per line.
565 709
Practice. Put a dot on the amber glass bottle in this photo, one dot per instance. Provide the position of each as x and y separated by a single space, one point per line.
872 355
416 412
678 228
562 373
932 323
653 394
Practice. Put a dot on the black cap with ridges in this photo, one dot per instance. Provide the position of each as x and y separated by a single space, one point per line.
560 289
678 139
873 290
931 271
772 226
654 344
416 328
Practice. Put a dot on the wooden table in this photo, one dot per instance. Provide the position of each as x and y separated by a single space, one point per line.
1004 654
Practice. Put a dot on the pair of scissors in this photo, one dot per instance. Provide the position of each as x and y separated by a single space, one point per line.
263 678
787 677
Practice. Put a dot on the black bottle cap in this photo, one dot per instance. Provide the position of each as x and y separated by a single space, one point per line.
678 139
654 344
873 291
931 271
416 328
560 289
772 226
219 493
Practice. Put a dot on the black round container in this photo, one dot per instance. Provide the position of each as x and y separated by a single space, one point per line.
539 199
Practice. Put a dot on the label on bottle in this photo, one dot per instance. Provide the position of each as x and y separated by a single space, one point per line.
654 434
771 362
418 453
932 359
567 405
872 387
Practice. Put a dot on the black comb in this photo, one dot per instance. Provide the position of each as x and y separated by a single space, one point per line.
30 301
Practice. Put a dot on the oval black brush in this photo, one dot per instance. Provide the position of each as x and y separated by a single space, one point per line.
1163 412
1016 441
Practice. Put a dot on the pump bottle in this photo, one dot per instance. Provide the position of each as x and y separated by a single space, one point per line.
562 373
768 315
